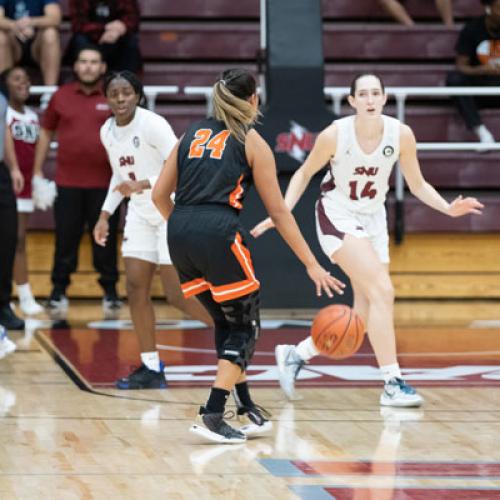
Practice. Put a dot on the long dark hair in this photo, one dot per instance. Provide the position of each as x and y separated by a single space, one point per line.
131 78
5 75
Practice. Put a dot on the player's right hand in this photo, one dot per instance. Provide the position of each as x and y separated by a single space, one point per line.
262 227
101 231
324 281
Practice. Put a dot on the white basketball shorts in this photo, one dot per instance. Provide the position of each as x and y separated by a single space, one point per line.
144 240
334 221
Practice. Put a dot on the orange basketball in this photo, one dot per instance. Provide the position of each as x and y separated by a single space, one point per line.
337 331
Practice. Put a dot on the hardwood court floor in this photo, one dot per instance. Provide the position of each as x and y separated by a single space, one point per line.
58 441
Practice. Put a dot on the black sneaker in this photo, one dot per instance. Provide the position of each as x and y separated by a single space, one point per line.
143 378
255 420
111 301
9 320
212 427
111 305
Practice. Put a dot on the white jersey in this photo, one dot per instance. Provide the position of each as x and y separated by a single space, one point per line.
355 180
137 151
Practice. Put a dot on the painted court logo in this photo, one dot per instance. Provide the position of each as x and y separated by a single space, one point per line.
297 143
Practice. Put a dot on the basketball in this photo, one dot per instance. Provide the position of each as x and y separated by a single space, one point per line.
337 331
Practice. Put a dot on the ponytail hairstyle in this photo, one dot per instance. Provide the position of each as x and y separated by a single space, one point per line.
230 101
130 78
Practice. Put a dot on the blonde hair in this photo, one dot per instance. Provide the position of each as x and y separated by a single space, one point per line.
230 102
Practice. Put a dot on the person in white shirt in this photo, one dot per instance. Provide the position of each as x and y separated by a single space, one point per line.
24 127
138 141
360 151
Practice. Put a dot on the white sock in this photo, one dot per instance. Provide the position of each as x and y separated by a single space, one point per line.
306 349
24 291
390 371
151 360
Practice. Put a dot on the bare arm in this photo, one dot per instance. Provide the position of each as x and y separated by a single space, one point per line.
41 150
324 148
463 65
5 22
51 17
261 160
166 184
421 189
397 11
11 161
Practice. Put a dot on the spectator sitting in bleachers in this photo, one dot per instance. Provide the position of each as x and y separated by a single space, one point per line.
478 64
113 26
29 32
398 12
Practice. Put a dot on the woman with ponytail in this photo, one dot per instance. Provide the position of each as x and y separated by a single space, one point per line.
211 169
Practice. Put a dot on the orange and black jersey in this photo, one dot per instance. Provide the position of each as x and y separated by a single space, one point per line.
212 167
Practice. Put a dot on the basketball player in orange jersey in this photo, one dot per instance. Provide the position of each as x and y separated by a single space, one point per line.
211 170
360 151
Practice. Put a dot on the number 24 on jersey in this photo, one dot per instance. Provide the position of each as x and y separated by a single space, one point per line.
203 141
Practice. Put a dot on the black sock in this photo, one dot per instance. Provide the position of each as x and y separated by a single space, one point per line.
243 395
217 400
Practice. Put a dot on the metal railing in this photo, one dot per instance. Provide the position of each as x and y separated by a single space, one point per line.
337 94
151 92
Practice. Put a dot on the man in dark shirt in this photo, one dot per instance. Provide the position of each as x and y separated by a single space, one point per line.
478 64
110 24
29 31
76 112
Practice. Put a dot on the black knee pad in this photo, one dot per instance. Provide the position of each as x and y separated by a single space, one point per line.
243 319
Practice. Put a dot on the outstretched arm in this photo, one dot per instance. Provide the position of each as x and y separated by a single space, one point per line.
420 188
261 159
324 148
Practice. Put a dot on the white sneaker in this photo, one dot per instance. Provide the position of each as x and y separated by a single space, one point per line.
7 401
484 136
30 306
289 366
111 306
6 345
398 393
57 305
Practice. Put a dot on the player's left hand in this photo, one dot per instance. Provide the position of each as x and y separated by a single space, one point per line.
127 188
463 206
17 180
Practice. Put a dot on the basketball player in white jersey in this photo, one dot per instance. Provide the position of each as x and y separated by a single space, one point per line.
138 141
360 151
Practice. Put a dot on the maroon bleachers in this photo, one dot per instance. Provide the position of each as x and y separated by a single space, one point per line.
227 41
332 9
189 42
421 218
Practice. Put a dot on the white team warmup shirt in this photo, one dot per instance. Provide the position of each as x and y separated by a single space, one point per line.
137 151
354 189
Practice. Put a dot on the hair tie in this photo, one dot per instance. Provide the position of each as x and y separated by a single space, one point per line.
223 82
